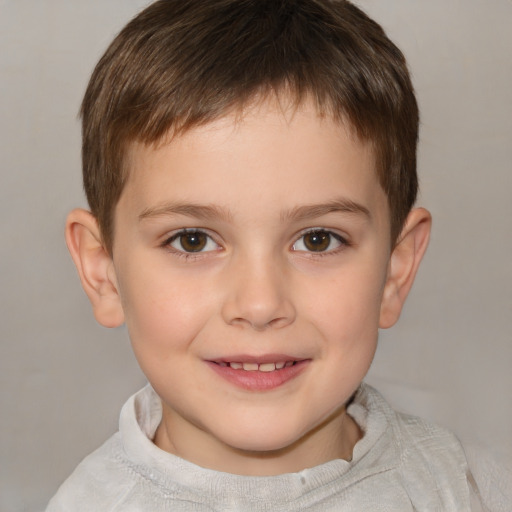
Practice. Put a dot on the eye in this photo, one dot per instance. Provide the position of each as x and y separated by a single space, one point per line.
191 241
318 240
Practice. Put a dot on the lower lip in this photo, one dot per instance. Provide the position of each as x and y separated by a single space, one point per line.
256 380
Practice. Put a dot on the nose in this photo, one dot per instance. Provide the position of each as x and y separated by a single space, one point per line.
259 295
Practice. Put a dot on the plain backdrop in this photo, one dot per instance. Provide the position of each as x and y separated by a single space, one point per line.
63 379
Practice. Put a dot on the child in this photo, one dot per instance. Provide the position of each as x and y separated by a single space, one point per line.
250 166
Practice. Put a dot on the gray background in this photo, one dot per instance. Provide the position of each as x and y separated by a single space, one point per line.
63 379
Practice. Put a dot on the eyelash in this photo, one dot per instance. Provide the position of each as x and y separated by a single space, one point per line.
167 243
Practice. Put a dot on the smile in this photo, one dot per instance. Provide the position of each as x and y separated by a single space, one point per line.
265 374
258 367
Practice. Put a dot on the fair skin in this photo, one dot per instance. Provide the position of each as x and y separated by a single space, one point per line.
252 264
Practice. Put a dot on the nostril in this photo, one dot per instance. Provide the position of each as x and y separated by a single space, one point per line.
279 322
275 323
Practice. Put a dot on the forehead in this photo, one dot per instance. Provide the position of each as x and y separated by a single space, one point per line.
268 149
284 109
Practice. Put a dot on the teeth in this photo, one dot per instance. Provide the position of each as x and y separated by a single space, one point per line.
251 367
267 367
263 367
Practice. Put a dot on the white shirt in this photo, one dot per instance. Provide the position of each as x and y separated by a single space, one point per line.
401 463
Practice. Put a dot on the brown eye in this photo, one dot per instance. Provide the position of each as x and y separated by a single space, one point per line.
317 241
193 242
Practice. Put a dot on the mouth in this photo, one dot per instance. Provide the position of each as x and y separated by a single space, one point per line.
257 367
261 374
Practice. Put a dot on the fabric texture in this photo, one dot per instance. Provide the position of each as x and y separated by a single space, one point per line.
401 463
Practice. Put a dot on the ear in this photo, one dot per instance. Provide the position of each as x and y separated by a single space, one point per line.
403 265
95 267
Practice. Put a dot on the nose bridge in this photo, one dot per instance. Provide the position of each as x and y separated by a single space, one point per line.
259 294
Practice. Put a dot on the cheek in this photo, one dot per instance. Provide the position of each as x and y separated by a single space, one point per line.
164 311
348 323
349 306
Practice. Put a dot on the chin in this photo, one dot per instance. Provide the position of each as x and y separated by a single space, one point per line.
262 438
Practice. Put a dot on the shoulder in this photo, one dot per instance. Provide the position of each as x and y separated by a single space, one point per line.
425 445
429 459
412 437
99 482
443 459
492 478
418 437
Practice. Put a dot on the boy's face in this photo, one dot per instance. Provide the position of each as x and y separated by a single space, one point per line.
259 242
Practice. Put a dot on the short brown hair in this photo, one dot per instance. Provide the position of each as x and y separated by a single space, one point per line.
181 63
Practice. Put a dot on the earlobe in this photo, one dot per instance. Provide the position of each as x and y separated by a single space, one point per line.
95 267
403 265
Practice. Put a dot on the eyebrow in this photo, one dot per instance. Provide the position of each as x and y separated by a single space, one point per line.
300 213
188 209
340 205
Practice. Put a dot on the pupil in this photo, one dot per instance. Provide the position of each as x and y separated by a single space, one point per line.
317 241
193 242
